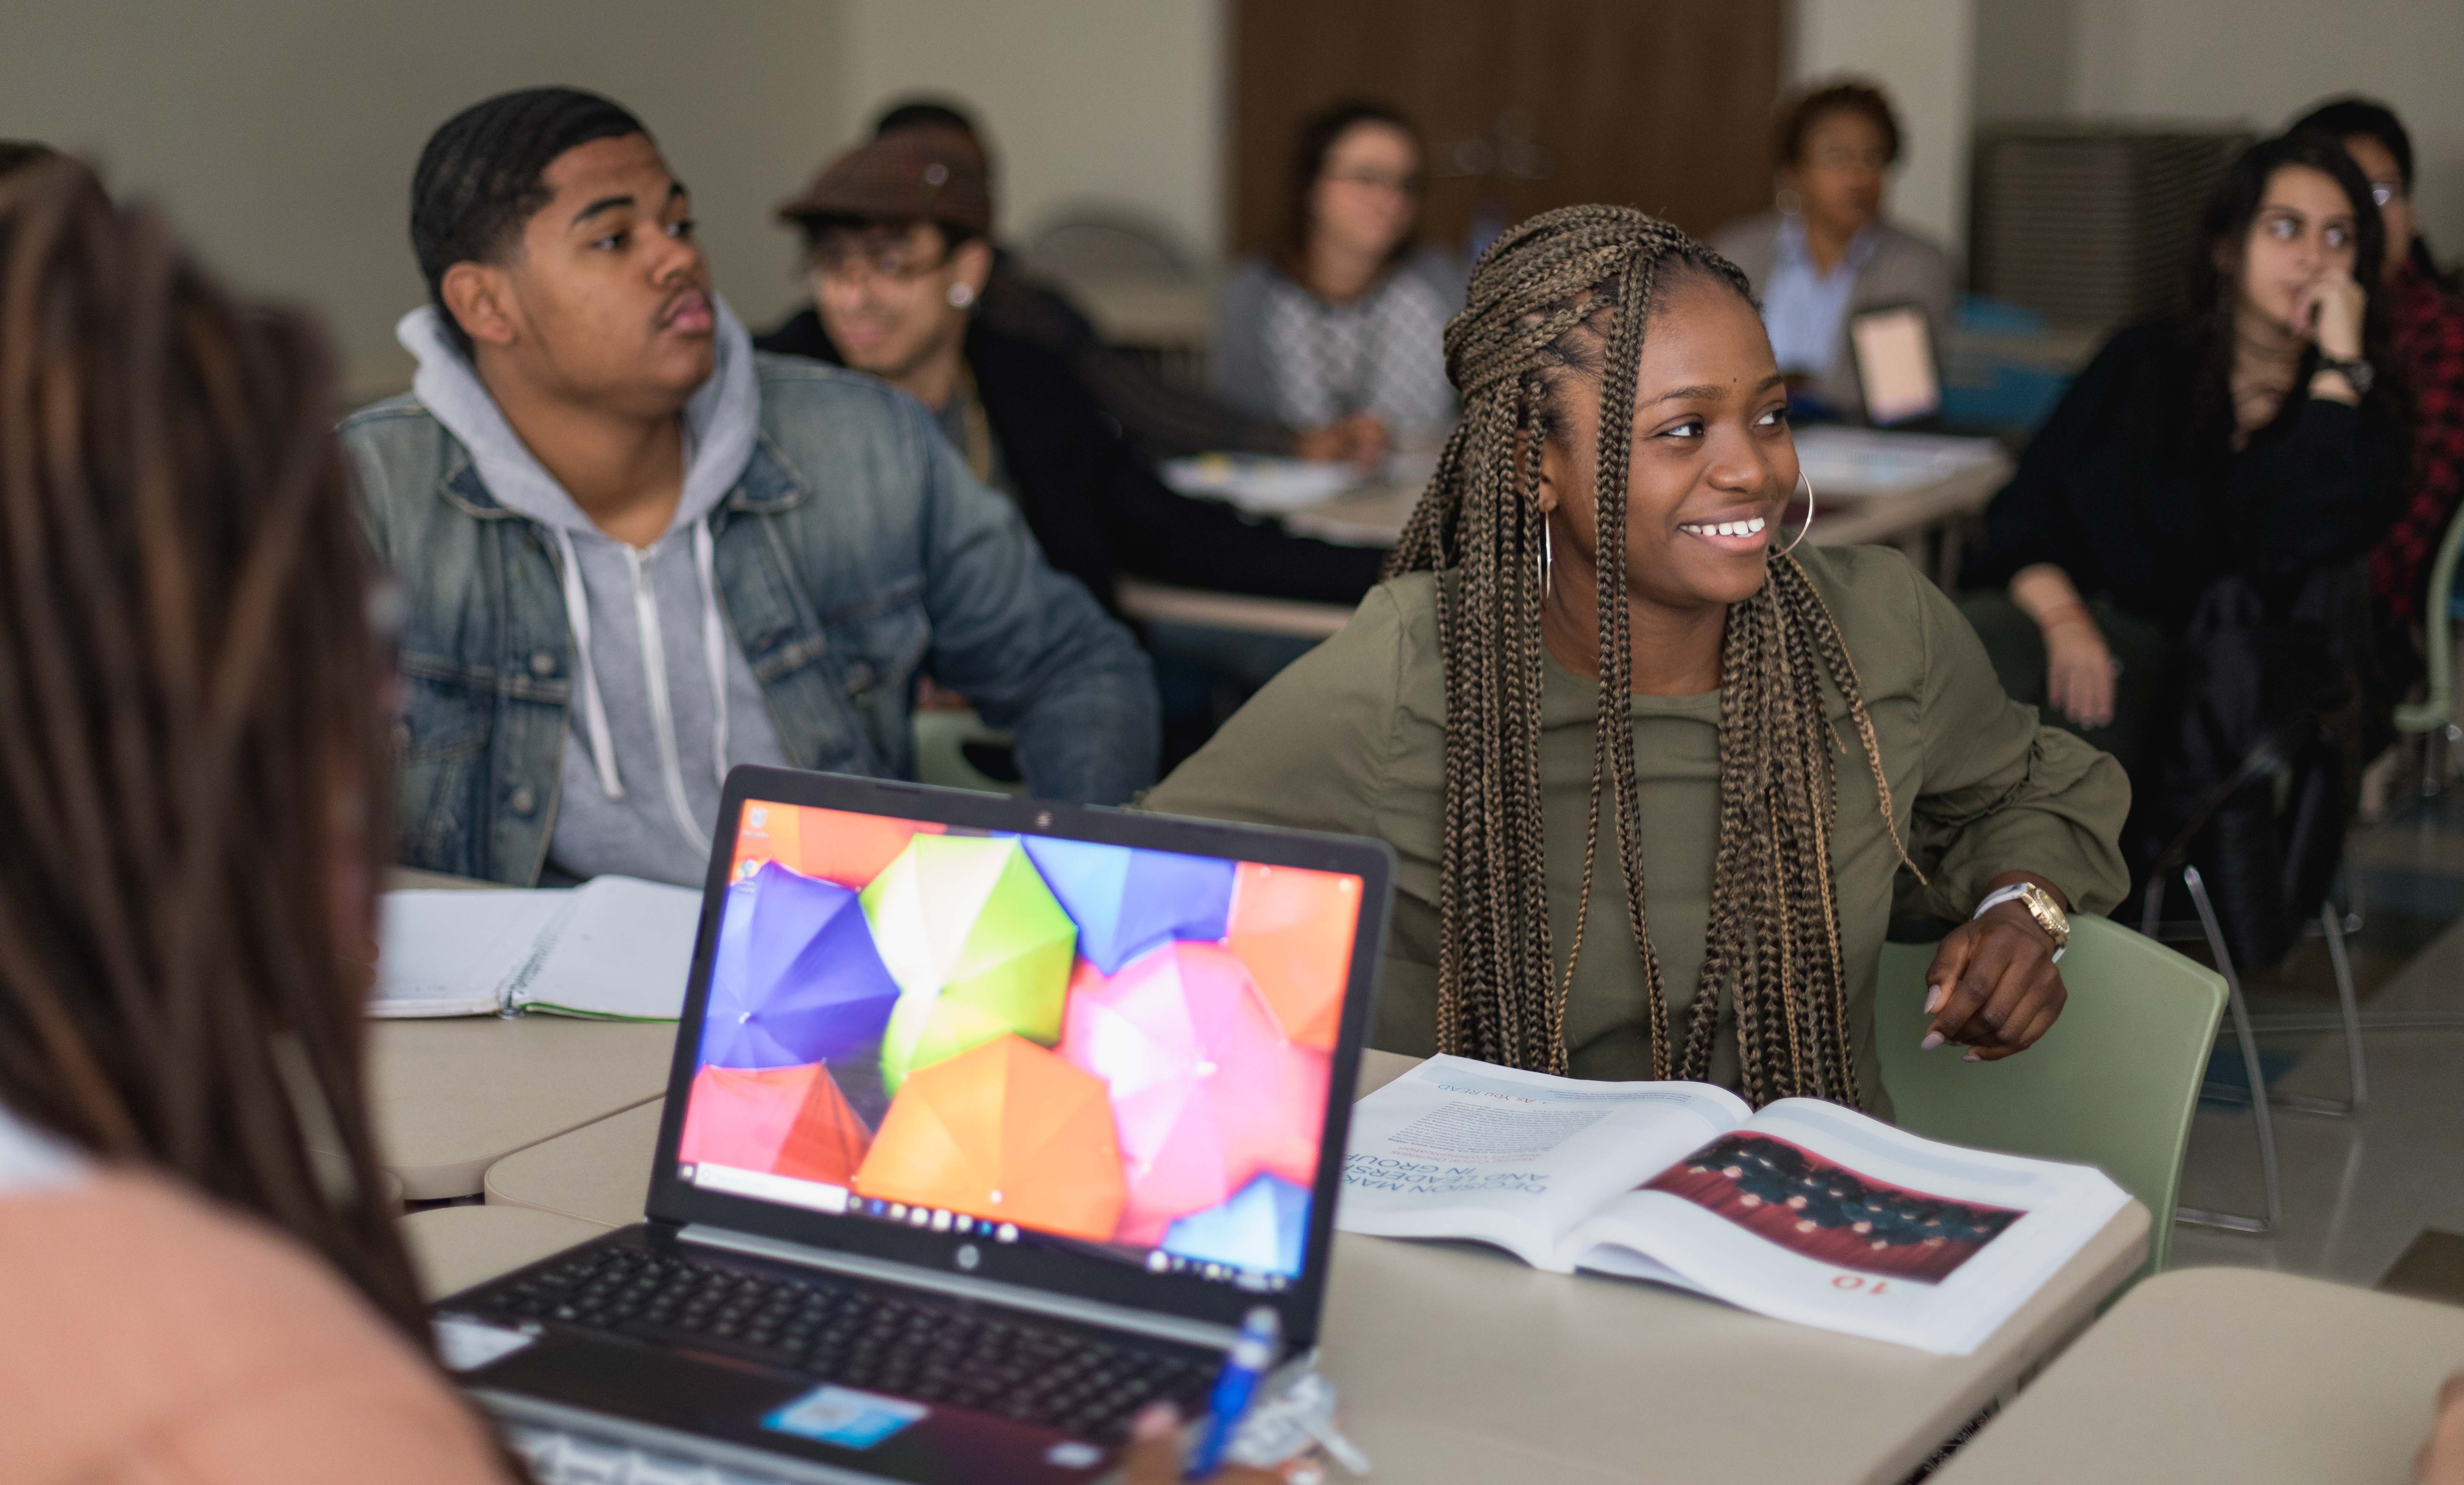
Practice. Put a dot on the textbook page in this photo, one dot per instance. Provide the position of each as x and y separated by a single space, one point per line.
1458 1148
449 953
621 954
1815 1214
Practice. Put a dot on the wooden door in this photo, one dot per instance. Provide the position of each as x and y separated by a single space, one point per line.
1527 104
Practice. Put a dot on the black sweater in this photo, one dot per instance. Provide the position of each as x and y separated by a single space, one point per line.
2127 488
1093 504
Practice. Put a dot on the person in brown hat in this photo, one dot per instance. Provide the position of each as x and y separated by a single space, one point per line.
1162 419
898 260
897 249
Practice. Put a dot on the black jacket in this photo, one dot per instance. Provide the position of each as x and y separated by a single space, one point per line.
2136 494
1098 509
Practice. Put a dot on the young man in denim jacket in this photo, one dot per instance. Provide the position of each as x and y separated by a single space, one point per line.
637 552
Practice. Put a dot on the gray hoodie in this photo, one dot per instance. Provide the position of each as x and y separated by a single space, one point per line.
665 704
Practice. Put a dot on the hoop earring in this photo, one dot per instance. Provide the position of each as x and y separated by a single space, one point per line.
1548 557
1809 516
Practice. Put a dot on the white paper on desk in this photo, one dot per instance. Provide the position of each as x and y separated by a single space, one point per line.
622 953
1855 462
447 953
1261 484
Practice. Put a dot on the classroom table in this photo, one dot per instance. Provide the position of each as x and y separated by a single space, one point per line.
454 1095
453 1248
1457 1363
2229 1374
1921 519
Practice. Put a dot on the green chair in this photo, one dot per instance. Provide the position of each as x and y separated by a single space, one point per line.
2436 712
942 739
2112 1085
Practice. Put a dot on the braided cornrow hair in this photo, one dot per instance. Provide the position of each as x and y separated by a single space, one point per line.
1563 296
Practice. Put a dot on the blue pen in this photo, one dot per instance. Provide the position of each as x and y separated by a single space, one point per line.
1262 1329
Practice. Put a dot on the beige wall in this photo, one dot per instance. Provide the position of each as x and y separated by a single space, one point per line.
1922 52
281 134
1113 101
2262 60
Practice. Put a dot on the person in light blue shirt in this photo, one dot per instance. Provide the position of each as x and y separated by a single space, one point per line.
1825 251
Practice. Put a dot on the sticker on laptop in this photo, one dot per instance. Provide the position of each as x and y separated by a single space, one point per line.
843 1416
466 1344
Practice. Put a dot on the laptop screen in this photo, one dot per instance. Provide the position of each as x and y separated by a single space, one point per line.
1026 1039
1895 364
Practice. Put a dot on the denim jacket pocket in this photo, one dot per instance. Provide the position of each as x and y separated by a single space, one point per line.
441 758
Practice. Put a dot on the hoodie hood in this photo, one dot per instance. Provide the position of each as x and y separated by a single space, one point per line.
720 421
644 768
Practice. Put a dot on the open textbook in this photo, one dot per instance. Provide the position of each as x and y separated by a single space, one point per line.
1805 1211
615 948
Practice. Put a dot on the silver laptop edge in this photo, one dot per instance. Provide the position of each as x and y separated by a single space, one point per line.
698 1448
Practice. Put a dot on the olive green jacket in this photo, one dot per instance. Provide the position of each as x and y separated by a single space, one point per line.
1352 738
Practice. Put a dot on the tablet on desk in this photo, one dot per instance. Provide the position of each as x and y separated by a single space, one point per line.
1896 369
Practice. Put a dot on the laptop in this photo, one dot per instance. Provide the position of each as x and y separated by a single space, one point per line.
990 1119
1898 373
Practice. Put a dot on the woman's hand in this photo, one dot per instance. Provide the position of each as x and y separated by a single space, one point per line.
1358 439
2078 668
2328 313
1153 1456
1993 987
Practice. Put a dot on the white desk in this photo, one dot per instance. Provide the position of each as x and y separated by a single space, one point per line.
453 1248
1457 1363
2229 1374
1373 515
456 1095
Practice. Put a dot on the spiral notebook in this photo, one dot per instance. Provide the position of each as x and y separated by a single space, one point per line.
615 948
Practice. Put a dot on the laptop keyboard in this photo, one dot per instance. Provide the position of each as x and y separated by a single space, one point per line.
875 1336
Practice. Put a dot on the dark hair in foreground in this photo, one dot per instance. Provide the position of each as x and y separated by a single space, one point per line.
2215 285
1319 133
1796 120
1560 302
481 177
15 154
190 691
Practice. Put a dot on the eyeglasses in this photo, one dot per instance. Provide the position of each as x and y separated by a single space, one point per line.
1379 180
852 257
2385 193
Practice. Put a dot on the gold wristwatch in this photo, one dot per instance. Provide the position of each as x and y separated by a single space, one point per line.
2040 906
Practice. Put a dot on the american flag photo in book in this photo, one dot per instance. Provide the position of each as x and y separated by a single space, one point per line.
1788 1195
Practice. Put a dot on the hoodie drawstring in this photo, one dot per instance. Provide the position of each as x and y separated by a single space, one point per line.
713 644
594 712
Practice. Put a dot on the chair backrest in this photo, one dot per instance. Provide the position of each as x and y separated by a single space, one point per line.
2113 1084
942 739
2432 711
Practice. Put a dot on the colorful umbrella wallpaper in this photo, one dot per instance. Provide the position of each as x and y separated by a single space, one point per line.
1120 1047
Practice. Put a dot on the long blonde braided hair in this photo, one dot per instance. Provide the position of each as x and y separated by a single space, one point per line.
1564 297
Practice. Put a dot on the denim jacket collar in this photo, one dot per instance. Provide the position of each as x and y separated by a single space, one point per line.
769 483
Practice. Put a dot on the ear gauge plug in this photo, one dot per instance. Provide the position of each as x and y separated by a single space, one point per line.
961 296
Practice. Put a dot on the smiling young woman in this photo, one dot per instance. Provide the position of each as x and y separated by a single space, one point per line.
1595 681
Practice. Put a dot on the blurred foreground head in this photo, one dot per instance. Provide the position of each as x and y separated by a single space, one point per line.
192 747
